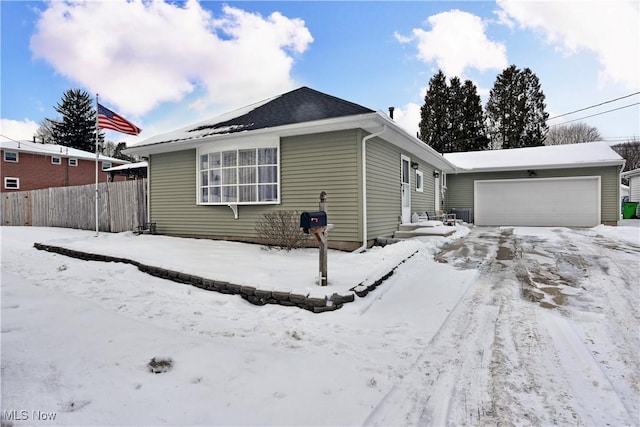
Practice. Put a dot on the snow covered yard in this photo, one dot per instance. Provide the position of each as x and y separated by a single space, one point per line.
499 326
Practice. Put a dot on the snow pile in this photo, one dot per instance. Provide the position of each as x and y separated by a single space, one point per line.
448 339
546 157
249 265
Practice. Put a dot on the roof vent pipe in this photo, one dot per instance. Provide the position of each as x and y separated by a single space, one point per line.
391 112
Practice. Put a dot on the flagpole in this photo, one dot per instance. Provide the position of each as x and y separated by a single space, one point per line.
97 133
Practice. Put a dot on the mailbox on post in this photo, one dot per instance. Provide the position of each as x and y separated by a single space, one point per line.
311 220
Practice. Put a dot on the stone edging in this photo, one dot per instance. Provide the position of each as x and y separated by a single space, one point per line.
251 294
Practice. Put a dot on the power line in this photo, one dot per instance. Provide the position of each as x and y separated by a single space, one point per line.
596 105
593 115
10 139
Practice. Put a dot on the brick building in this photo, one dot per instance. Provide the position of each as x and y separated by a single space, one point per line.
27 165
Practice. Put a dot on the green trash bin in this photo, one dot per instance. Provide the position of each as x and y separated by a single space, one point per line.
629 210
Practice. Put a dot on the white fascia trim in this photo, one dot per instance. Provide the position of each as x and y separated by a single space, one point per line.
364 121
542 167
415 146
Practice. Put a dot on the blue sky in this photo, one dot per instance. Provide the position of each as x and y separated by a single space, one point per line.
165 65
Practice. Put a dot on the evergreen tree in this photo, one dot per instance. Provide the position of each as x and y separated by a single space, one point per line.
474 133
455 116
433 114
515 112
77 126
451 117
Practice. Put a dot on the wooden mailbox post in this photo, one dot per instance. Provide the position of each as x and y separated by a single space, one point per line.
316 223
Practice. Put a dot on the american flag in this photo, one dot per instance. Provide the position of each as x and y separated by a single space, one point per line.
107 119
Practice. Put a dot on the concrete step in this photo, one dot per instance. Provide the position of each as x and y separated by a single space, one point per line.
425 231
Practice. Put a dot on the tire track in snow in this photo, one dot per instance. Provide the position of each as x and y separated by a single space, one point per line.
500 359
425 392
609 324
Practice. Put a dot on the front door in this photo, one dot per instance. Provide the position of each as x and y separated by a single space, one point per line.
405 189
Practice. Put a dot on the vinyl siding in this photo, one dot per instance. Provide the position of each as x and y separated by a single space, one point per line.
383 189
308 165
634 189
384 205
324 162
460 187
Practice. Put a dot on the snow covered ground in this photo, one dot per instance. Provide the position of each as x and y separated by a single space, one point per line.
524 326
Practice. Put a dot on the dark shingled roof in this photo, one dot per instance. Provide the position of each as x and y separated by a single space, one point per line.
298 106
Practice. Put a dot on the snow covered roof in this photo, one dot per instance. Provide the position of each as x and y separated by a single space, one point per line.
53 150
298 106
545 157
631 173
301 111
128 166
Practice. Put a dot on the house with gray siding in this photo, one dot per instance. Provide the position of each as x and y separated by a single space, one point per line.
216 178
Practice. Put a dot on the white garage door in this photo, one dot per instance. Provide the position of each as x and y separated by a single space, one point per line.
538 202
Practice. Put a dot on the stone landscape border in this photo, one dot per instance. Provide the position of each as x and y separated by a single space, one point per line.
252 294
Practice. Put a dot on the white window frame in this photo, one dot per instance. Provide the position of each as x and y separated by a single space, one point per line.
10 187
73 161
56 160
17 158
420 181
106 165
269 142
443 179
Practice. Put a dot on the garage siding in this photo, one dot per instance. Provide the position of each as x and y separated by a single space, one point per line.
461 186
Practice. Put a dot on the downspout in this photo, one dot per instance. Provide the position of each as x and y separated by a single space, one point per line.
364 187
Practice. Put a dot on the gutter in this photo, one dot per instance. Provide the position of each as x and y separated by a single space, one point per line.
364 186
461 169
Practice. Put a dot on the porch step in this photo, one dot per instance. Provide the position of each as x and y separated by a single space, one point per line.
424 231
409 227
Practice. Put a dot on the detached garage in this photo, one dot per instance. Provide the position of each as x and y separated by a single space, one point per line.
568 185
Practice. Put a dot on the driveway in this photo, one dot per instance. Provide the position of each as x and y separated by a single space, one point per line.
547 334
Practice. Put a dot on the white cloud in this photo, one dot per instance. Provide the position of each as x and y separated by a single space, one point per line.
609 29
457 41
18 130
408 117
138 54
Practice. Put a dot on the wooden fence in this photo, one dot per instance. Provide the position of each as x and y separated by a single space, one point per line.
122 206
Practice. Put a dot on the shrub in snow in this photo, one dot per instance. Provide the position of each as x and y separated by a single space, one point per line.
159 365
281 229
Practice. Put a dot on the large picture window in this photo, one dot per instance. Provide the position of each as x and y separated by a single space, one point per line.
242 176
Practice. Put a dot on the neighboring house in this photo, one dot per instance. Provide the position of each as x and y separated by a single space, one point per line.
27 165
634 184
216 178
128 171
562 185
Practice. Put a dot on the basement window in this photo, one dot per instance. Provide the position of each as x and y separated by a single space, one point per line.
12 183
